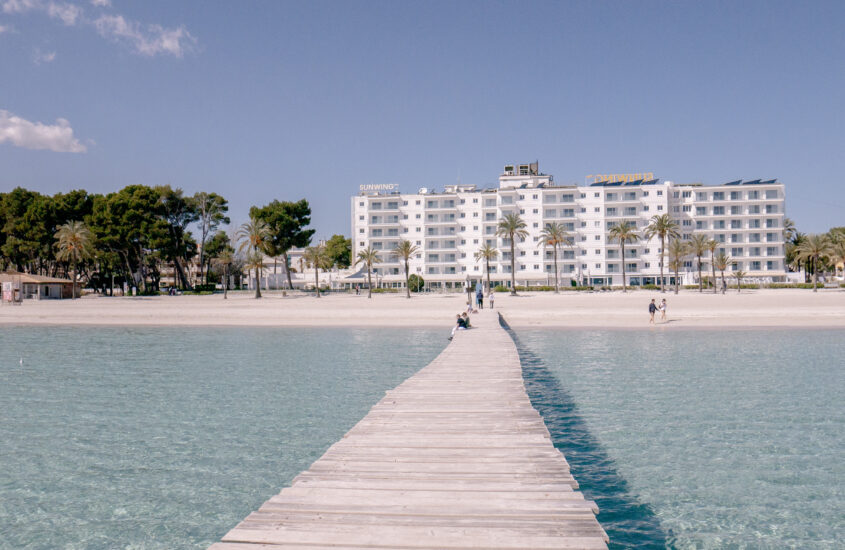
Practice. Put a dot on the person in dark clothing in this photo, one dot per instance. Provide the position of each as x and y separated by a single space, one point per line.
479 298
652 309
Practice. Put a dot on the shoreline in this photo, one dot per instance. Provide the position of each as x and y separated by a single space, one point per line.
754 309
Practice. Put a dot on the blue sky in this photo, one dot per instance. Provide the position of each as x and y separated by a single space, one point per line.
282 100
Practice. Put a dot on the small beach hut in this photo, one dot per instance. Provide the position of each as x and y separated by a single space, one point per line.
39 287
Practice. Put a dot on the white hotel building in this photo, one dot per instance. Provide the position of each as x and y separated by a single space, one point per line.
450 226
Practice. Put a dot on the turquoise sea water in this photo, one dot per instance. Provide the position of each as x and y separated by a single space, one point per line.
697 438
165 438
153 438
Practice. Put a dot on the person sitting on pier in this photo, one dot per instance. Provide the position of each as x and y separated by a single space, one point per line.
460 324
466 321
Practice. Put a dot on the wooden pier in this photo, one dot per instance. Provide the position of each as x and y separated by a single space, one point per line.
454 457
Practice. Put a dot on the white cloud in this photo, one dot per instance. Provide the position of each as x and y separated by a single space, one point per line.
43 57
152 41
101 3
68 13
36 135
20 6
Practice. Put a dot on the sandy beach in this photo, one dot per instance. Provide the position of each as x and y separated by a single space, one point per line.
752 308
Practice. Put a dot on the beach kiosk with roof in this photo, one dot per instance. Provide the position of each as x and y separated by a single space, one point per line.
37 287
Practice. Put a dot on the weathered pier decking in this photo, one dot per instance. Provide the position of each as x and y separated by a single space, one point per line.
454 457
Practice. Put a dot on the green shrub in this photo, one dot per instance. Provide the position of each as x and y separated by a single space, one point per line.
415 282
501 288
204 288
794 285
650 287
385 290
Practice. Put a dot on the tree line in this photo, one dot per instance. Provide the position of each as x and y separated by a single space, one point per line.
129 236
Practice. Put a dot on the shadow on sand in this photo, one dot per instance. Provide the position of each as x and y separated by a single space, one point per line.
629 523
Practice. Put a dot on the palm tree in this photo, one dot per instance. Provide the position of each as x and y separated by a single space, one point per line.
254 236
510 227
739 275
813 249
368 257
75 243
662 226
712 245
318 258
255 260
721 262
789 230
678 250
225 258
487 253
838 255
555 235
698 247
404 250
624 232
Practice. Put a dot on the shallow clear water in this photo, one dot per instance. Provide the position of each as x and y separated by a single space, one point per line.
143 438
700 439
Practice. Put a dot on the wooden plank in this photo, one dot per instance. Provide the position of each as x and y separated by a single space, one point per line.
455 458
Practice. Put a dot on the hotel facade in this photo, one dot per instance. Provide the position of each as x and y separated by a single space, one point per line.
746 218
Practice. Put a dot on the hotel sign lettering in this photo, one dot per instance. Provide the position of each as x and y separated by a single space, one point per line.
594 178
379 187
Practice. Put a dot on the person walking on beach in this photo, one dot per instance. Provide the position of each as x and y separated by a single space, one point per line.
490 296
479 298
662 309
652 309
357 290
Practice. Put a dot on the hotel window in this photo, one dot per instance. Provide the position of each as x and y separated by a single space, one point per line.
567 213
583 210
475 214
597 238
490 217
522 197
755 265
418 216
687 194
361 218
474 201
419 229
631 267
736 266
687 208
718 195
631 196
522 211
736 211
610 197
536 225
611 211
676 195
700 225
718 210
375 206
720 237
771 224
754 237
361 230
647 264
475 241
583 195
489 202
404 216
719 224
771 266
645 193
567 198
659 193
598 252
772 237
645 208
735 195
701 196
736 224
737 252
660 207
533 196
405 230
360 204
463 201
771 209
771 194
753 195
536 252
583 237
771 251
596 195
753 224
598 266
549 198
597 209
535 211
736 238
754 251
700 211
